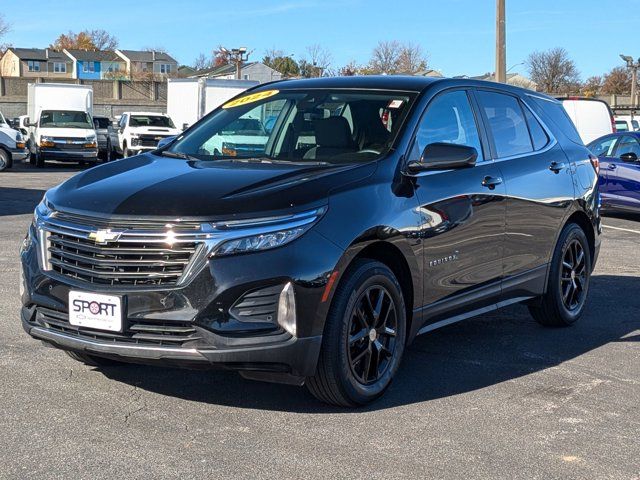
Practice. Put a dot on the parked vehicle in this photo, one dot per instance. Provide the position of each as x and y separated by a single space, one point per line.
624 123
141 131
421 202
12 145
190 99
103 127
619 157
60 125
592 117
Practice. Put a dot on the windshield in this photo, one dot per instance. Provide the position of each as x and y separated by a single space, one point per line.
621 126
2 120
150 121
65 119
334 126
101 122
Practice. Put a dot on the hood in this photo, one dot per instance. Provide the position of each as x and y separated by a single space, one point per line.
65 132
171 189
154 130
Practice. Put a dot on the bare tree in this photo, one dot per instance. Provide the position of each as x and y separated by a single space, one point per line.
155 48
617 81
553 71
5 27
349 70
592 86
319 58
103 40
393 57
202 61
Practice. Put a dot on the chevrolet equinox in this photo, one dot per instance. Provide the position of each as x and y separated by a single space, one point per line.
306 231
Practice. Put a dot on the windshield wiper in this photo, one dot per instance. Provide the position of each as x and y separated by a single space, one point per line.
183 156
276 161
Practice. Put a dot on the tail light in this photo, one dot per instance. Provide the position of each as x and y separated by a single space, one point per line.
595 162
613 124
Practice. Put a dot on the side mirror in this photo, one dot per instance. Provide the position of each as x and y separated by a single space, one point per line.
185 126
444 156
29 123
629 157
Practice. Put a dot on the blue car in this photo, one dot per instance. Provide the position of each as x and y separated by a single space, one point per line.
619 155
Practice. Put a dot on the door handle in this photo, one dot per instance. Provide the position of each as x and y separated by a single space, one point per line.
612 166
555 167
491 182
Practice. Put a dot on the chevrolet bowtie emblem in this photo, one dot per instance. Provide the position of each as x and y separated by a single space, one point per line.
104 236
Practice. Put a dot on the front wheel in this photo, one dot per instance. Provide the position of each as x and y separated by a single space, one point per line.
125 151
568 283
363 339
4 160
39 160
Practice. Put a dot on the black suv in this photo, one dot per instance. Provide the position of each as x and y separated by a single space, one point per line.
313 247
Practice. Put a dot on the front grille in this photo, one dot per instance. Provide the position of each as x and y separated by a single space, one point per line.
68 143
170 334
136 254
150 140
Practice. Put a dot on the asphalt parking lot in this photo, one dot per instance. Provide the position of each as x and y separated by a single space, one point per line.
492 397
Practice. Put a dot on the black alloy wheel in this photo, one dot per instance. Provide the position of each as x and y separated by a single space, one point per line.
372 334
573 275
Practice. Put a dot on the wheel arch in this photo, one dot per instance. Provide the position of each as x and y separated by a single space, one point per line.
581 219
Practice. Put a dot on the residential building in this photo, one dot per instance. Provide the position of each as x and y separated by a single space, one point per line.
255 71
96 64
148 63
35 62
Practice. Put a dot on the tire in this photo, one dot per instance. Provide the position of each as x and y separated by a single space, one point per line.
108 152
125 150
5 160
92 360
341 376
566 294
32 158
39 160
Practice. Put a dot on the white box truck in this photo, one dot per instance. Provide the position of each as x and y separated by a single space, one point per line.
60 123
190 99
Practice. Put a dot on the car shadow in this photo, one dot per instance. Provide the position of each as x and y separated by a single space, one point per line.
460 358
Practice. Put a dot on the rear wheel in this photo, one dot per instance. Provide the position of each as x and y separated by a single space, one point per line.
363 339
125 151
108 153
92 360
568 283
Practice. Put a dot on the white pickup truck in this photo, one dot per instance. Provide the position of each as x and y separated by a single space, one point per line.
241 138
12 145
141 131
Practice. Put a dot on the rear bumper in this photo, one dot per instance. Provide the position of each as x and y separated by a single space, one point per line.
293 356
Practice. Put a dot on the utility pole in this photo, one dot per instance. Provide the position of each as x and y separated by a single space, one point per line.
501 43
633 66
237 56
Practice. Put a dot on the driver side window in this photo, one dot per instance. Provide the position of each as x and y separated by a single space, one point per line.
448 119
628 145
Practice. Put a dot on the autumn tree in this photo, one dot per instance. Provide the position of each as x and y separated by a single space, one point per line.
349 70
553 71
617 81
86 40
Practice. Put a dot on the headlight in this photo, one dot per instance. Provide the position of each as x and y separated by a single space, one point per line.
43 209
244 236
46 142
91 138
263 241
134 135
19 137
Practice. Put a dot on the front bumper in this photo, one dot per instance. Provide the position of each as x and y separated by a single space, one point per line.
294 356
203 307
88 154
19 153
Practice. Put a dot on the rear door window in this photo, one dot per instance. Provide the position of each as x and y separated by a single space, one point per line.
506 123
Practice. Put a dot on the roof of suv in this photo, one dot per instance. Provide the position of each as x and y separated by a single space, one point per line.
390 82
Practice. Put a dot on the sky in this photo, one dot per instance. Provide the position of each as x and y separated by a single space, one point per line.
456 35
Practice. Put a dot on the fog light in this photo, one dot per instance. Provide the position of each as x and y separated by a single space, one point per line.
287 309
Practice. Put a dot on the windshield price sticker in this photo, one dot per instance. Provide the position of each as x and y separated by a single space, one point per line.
254 97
